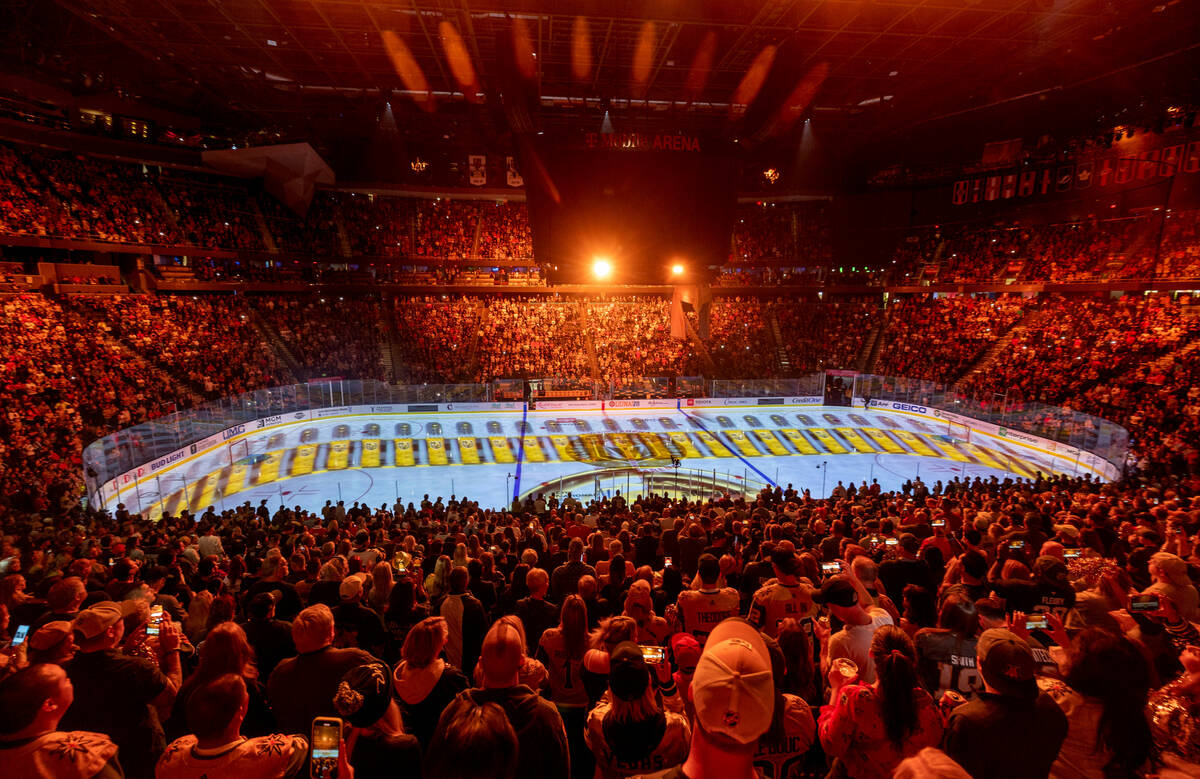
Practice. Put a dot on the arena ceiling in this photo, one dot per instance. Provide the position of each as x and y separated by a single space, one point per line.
286 63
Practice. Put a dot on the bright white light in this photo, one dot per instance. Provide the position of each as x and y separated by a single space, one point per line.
602 268
677 269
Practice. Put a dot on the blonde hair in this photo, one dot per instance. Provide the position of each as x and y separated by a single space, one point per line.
312 628
424 641
612 631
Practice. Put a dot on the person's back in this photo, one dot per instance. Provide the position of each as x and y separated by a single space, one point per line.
466 622
541 738
302 687
946 661
1011 728
702 610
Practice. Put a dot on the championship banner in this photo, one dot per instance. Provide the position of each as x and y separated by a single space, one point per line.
514 178
477 168
1115 167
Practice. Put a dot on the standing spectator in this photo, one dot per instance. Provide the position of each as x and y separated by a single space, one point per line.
1170 574
561 650
565 579
1103 694
981 734
466 621
356 624
734 696
225 651
32 703
536 613
216 746
424 683
703 609
627 732
126 698
477 741
783 598
783 748
854 640
870 728
1174 714
377 741
541 739
302 687
271 638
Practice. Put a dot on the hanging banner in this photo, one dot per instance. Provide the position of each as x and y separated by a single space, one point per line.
514 178
477 169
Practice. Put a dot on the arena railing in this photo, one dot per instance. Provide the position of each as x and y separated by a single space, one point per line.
145 445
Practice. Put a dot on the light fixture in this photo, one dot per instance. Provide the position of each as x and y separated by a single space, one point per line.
771 175
602 268
677 269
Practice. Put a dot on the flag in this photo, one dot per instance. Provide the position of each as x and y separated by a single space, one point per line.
678 324
477 168
514 178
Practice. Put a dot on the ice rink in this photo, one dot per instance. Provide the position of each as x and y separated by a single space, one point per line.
490 455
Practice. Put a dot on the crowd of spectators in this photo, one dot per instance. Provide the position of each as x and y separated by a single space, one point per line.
1071 251
782 231
519 338
633 339
739 339
207 343
327 337
939 338
817 336
435 338
925 632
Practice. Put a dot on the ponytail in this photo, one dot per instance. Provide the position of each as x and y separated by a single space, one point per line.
895 660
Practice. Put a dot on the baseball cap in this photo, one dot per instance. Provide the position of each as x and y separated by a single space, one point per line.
837 591
352 586
1052 571
1007 663
686 650
627 673
733 689
49 635
99 617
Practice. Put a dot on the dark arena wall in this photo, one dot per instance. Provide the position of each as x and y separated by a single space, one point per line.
643 201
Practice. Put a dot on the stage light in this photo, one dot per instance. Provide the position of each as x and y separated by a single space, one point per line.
677 269
602 268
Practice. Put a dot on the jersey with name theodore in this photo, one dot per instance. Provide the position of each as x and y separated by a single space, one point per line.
702 610
775 602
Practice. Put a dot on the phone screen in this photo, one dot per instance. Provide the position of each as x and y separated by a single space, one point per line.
892 541
667 561
326 733
1036 622
1144 603
153 627
653 654
19 636
831 568
1071 554
938 523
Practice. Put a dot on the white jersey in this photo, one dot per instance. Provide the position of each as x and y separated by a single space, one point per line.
702 610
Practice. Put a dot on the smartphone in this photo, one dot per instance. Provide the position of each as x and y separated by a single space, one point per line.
892 541
19 636
1071 554
401 567
155 624
1036 622
653 654
1016 545
831 568
326 734
1136 603
667 562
